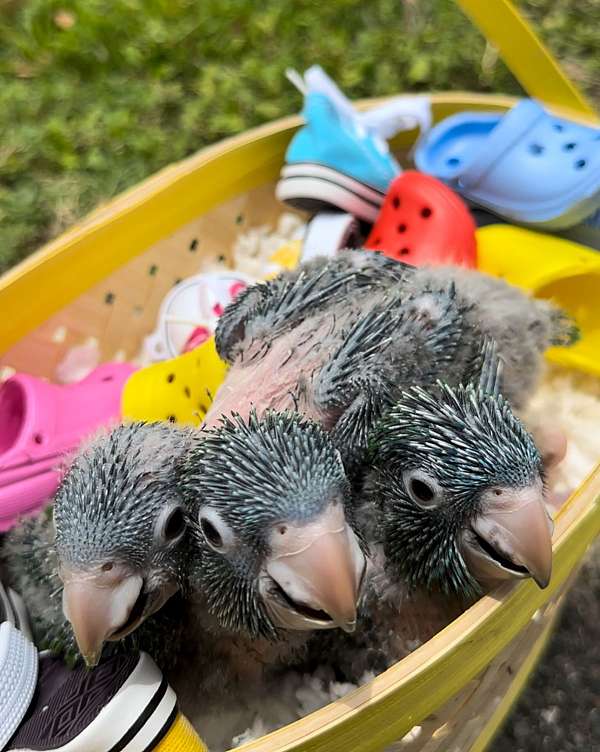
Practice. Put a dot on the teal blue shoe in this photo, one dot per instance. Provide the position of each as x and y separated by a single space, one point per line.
339 160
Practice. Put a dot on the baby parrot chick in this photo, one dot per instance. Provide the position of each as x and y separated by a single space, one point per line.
112 551
459 486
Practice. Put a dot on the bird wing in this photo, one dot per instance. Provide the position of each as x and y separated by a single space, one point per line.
268 308
399 341
487 369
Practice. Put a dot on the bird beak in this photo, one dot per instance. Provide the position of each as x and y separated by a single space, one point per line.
106 605
312 579
512 538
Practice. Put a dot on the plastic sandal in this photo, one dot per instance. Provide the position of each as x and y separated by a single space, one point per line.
179 390
40 422
424 222
555 268
527 165
18 664
328 233
124 704
194 304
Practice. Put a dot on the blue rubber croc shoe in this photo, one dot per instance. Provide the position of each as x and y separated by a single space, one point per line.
335 162
526 166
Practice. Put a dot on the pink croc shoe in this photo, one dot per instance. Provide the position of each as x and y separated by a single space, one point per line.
40 422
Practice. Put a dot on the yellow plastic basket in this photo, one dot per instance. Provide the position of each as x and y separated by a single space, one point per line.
106 278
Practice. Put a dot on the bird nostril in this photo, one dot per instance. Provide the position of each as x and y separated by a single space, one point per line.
107 567
497 492
282 530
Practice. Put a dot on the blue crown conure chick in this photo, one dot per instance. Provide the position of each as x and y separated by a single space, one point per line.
275 553
459 484
116 539
268 498
452 503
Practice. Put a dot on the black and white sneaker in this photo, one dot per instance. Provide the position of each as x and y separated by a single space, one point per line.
123 705
18 663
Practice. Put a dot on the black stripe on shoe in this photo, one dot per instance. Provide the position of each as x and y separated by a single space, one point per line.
164 730
142 718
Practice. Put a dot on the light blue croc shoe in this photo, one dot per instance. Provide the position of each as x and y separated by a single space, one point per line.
340 158
526 166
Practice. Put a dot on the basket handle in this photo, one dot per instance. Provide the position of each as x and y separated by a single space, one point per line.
526 56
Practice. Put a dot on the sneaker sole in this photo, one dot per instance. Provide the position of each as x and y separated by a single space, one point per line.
18 678
139 716
313 187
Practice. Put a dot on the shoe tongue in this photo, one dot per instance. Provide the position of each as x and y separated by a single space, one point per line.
318 82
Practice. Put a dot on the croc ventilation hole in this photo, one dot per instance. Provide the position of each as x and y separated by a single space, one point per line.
193 245
569 146
426 212
536 149
396 202
453 162
170 378
187 392
404 251
401 228
559 127
38 438
580 164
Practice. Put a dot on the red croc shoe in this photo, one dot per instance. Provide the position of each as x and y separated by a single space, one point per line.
424 222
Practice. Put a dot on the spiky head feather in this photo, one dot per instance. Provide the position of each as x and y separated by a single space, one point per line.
109 501
468 440
256 473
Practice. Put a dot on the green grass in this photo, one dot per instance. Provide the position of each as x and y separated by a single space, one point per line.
96 95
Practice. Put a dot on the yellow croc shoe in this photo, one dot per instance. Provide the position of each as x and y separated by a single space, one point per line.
179 390
550 267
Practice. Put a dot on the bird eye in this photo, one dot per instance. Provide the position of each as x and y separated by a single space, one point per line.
175 525
423 489
211 533
215 531
171 525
